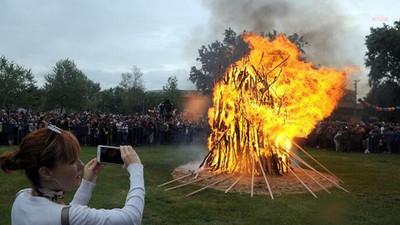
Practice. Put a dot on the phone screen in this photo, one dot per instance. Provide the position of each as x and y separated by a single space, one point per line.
110 155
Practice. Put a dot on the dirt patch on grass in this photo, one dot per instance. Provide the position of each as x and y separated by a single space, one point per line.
285 184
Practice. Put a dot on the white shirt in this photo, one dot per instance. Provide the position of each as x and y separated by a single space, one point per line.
118 125
32 210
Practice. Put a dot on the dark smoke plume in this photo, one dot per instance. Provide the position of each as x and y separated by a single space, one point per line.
321 23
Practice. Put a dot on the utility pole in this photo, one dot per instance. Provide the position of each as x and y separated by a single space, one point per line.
355 97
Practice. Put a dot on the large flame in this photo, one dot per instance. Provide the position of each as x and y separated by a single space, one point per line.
265 100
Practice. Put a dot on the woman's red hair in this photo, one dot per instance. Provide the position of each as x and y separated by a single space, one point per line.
41 148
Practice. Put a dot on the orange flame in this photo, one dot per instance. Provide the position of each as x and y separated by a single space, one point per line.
265 100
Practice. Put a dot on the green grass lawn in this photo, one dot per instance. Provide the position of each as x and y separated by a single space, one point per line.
373 181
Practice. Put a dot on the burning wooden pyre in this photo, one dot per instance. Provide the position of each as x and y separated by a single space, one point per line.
262 103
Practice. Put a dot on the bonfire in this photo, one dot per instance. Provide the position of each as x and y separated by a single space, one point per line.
264 101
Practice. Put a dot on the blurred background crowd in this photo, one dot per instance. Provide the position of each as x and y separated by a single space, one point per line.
158 128
368 137
107 129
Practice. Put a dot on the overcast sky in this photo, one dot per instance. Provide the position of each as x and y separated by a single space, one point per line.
107 38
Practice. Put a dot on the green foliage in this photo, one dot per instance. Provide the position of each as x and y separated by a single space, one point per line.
68 88
383 55
93 95
131 91
171 92
386 94
132 100
17 86
371 179
383 59
216 57
110 100
132 79
152 99
130 97
294 38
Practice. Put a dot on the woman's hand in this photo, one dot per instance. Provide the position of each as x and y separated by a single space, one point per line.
128 155
92 170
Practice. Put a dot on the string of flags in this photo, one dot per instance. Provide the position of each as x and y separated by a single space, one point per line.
379 109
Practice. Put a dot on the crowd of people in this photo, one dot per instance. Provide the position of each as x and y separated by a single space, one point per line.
155 128
368 137
94 128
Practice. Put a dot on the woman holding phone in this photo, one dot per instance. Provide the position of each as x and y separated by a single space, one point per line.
49 158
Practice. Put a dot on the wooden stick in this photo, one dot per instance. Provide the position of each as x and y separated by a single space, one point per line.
316 161
198 171
252 177
266 181
181 185
180 178
302 182
312 168
234 183
205 159
195 177
216 182
298 178
279 64
297 165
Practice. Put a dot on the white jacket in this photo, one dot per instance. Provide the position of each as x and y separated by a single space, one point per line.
34 210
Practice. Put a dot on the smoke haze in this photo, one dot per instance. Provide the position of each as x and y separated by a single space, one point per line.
325 25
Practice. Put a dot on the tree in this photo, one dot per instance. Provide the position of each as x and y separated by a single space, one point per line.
152 99
17 86
386 94
171 91
294 38
132 94
93 95
67 87
383 59
383 55
133 79
217 56
110 100
133 101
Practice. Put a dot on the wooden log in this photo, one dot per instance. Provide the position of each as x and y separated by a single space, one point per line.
180 178
312 168
297 165
191 182
278 65
302 182
252 177
195 177
298 146
275 164
266 181
259 63
269 164
234 184
298 178
205 159
205 187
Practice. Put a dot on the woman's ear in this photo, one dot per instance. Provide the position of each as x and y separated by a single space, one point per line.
45 174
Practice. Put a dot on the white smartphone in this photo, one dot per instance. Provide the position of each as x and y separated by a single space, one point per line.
109 155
